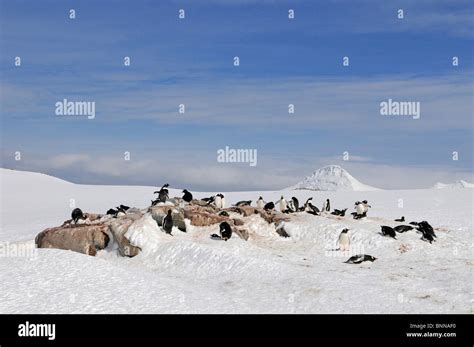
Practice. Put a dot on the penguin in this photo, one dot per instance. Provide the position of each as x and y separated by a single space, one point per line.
162 194
402 228
243 203
291 207
337 212
187 196
216 237
413 223
112 212
295 203
388 231
120 212
208 200
260 203
219 201
168 223
366 206
77 215
282 204
326 206
269 206
344 240
360 210
400 219
427 230
225 230
124 207
360 258
311 209
223 213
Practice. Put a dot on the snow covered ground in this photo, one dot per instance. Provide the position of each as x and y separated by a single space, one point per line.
190 273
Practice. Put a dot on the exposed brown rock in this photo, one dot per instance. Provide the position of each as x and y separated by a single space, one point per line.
159 212
82 238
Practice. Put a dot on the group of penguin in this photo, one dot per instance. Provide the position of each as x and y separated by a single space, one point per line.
423 227
290 206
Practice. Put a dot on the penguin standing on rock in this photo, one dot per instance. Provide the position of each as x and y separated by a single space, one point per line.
168 223
243 203
269 206
77 215
400 219
162 194
225 230
344 240
187 196
260 203
219 201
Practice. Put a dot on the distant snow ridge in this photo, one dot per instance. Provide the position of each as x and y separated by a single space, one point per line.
454 185
334 178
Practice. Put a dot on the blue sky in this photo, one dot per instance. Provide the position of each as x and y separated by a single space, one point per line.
190 61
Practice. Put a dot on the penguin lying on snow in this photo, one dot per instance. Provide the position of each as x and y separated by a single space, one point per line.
243 203
168 223
400 219
402 228
225 230
187 196
77 215
388 231
360 258
337 212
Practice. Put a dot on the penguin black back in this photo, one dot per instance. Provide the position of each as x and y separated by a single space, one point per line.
388 231
77 214
225 230
168 223
269 206
187 196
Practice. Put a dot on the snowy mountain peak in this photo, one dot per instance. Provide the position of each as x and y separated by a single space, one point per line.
334 178
456 184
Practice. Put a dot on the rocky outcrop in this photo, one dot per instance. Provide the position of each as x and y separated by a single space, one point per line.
118 228
82 238
159 212
203 216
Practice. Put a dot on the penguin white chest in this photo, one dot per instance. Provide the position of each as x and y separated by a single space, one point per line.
282 205
218 202
360 209
260 204
344 241
222 202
